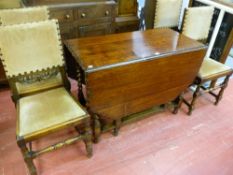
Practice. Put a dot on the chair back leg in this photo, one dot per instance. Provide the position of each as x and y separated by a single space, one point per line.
224 85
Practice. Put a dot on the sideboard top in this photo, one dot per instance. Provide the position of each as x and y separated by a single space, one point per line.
62 2
100 52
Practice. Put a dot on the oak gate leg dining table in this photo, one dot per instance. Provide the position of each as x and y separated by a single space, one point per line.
131 72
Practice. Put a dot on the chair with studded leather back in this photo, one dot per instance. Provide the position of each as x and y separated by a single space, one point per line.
196 25
5 4
23 15
32 54
167 13
18 16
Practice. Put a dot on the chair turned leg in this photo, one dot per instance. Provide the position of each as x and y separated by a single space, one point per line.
194 99
117 124
80 89
178 102
219 96
27 158
97 128
88 138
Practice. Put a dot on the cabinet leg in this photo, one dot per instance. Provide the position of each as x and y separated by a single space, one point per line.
117 125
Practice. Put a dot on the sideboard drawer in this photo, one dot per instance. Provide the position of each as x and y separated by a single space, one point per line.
67 30
79 18
63 15
99 11
94 30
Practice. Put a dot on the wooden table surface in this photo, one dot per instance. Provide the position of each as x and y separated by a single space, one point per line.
110 50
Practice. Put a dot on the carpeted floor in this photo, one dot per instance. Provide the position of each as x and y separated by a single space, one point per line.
163 144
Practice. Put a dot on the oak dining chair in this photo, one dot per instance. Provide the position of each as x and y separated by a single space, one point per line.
32 56
196 25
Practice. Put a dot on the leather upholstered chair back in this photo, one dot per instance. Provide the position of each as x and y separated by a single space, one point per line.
27 15
167 13
32 56
197 21
5 4
30 51
23 15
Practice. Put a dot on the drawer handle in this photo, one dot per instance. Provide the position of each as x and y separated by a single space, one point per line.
106 13
83 15
67 16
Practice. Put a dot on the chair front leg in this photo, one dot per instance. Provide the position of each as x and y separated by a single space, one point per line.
117 125
81 97
27 157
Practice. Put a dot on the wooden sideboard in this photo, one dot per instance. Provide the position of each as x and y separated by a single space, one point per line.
81 18
127 18
130 72
149 13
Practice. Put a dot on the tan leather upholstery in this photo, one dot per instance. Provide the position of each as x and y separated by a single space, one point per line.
30 46
167 13
211 68
10 4
26 15
197 22
26 87
40 111
23 15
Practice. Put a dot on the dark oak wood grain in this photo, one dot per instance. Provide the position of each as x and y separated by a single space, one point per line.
127 16
131 72
96 52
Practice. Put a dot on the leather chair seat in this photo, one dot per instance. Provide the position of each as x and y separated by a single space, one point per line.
40 112
212 69
26 88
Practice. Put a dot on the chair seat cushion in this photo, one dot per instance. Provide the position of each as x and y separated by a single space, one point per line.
47 110
211 69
